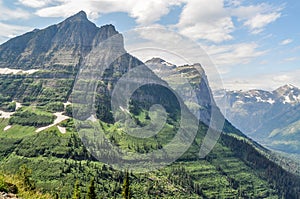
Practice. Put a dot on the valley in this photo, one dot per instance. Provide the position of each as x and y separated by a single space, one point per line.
271 118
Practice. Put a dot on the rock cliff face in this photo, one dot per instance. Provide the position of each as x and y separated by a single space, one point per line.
61 45
56 54
199 98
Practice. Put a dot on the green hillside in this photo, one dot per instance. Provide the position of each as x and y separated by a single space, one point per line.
51 133
58 160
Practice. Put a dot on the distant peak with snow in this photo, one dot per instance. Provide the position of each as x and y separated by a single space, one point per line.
287 94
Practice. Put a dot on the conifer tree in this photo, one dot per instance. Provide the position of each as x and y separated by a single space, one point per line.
76 194
25 175
91 194
126 187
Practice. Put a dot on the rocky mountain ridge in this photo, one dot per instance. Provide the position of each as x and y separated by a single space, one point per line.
66 44
201 101
269 117
287 94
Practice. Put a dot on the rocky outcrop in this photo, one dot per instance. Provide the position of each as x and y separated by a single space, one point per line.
4 195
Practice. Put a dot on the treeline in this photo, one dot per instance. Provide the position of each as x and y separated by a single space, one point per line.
69 147
55 107
288 184
36 88
30 118
91 192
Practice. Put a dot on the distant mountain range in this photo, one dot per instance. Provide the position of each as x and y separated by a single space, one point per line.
271 118
39 84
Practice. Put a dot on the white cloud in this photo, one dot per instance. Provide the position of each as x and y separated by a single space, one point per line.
264 81
213 21
286 42
283 78
257 17
202 20
34 3
66 8
10 14
145 12
228 55
174 48
10 30
258 22
158 41
162 39
199 19
217 60
234 3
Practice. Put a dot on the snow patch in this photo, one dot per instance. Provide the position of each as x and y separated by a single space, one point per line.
271 101
258 99
7 71
7 127
62 129
287 100
92 118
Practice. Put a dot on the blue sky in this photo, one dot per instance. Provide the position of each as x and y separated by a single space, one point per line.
254 44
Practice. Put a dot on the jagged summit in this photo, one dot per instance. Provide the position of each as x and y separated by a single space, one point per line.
78 24
109 26
79 16
269 117
56 45
287 87
156 60
161 62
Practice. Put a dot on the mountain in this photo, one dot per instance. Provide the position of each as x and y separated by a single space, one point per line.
197 78
271 118
46 124
66 44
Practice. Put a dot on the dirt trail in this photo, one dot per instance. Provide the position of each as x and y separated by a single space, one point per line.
59 118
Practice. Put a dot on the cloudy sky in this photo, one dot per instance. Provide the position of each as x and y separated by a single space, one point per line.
253 44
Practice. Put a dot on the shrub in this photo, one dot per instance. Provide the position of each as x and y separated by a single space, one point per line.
31 118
